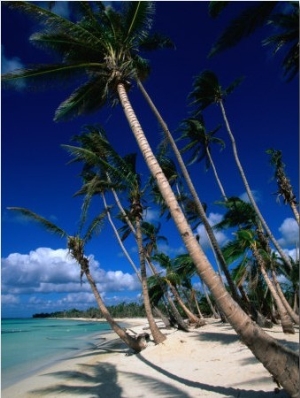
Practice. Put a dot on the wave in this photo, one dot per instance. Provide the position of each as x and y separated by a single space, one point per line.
7 331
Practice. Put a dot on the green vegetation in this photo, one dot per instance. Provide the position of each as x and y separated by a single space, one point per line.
122 310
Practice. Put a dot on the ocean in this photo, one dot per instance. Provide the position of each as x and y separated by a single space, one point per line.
27 345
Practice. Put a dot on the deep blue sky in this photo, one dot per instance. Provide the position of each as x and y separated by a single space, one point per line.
263 112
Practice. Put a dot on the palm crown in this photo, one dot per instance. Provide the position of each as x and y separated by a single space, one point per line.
101 49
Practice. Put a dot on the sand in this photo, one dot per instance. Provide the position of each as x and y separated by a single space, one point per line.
206 362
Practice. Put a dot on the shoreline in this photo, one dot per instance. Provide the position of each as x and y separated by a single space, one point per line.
206 362
40 365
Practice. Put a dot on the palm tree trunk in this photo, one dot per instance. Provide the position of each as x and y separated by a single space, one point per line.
248 190
194 194
135 343
216 174
118 237
286 323
296 303
151 266
286 304
197 306
175 313
295 211
281 362
212 308
157 335
191 317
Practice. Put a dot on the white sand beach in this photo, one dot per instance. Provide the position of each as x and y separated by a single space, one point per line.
206 362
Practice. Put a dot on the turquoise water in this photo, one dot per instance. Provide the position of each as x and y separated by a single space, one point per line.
27 345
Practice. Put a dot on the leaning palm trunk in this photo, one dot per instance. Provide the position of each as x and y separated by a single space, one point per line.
175 313
280 361
118 238
212 308
173 309
286 322
166 322
211 162
135 343
191 317
200 209
286 304
248 190
157 335
197 305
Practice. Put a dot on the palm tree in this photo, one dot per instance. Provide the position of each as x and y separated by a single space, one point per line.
172 279
150 239
242 215
97 155
207 91
96 152
264 13
108 45
274 264
76 245
199 144
284 186
199 206
293 278
245 239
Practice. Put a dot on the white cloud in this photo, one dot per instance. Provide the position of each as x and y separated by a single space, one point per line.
7 299
151 215
213 218
9 64
46 272
169 250
289 230
255 194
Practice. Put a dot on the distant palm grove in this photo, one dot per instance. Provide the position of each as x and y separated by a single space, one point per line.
122 310
103 49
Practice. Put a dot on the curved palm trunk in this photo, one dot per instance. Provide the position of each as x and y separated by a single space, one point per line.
295 211
248 190
157 335
286 304
216 174
281 362
119 239
176 315
197 305
195 196
212 308
136 344
191 317
286 323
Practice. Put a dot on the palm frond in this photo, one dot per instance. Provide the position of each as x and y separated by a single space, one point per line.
239 214
38 77
95 226
156 41
54 22
48 225
69 48
88 98
243 25
138 19
216 7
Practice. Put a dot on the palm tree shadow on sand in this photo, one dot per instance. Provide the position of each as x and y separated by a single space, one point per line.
101 380
225 391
